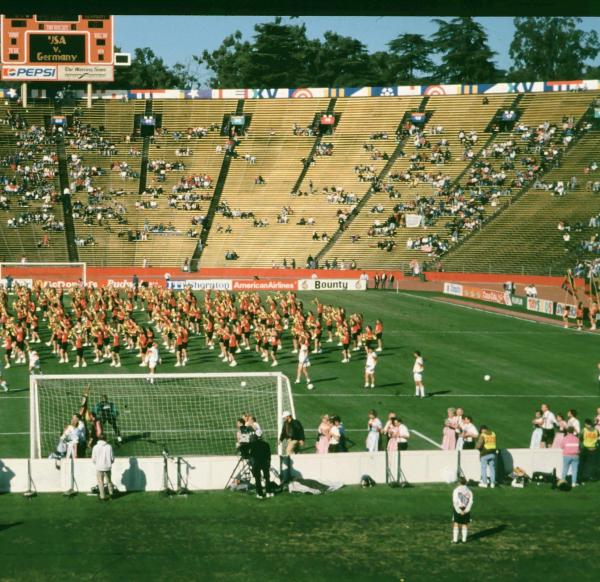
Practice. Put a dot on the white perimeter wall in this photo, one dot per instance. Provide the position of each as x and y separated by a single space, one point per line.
146 473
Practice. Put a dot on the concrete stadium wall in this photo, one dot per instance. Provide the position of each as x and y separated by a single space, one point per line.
212 473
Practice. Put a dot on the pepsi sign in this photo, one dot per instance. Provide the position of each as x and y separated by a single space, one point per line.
16 73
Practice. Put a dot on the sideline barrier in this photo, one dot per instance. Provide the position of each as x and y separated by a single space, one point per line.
212 473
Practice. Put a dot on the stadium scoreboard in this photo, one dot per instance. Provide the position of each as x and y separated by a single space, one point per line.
57 48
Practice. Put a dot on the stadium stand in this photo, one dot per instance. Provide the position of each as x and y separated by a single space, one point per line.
475 194
524 237
31 213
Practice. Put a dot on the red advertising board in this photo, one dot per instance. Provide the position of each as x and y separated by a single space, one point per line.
490 295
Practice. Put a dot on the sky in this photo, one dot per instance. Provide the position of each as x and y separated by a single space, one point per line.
176 38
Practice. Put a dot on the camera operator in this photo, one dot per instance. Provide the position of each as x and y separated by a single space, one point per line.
260 464
244 433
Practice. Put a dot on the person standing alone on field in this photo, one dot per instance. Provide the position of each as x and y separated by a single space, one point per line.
103 458
418 369
462 502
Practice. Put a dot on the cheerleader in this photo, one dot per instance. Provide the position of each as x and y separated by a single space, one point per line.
374 426
379 335
324 432
273 345
449 432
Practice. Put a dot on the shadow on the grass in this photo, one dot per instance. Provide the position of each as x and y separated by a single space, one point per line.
484 533
438 392
4 526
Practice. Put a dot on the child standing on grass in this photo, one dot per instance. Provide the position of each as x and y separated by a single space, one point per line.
462 502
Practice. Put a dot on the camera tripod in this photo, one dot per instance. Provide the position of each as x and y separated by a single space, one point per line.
242 472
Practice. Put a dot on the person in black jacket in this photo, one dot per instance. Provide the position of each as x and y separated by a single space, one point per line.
292 432
260 465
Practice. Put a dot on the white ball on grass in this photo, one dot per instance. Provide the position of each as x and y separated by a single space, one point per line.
243 384
487 377
310 386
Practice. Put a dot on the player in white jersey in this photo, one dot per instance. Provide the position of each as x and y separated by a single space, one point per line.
418 369
370 367
462 502
303 360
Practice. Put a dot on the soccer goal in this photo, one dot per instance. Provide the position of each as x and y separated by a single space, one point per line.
182 414
56 274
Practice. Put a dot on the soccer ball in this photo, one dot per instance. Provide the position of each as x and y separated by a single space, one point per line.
487 377
243 384
310 386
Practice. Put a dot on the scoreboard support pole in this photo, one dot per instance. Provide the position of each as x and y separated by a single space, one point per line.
24 94
89 95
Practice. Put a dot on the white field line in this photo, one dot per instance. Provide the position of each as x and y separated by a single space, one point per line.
426 438
451 395
552 323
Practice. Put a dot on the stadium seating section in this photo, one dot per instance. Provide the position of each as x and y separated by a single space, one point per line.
287 193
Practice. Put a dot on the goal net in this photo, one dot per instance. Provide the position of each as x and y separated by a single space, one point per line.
183 414
54 274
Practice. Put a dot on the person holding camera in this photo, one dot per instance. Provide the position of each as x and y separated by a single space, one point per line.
259 452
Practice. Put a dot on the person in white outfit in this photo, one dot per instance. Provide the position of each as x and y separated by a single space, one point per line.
153 359
374 427
370 364
418 369
103 459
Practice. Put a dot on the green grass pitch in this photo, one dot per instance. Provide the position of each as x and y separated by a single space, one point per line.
530 534
530 363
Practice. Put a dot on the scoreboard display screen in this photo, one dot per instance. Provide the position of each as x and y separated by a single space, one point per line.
57 48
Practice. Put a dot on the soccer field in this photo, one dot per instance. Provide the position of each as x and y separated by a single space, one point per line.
529 362
380 534
353 534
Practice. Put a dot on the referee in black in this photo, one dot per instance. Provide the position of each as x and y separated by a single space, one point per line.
260 465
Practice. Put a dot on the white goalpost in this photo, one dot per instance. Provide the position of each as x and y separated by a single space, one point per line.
182 414
59 274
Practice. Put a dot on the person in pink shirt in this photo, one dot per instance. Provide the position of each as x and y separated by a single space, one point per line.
324 430
449 432
561 431
570 448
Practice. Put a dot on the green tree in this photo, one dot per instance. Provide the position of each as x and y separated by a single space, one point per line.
410 53
278 57
341 61
228 63
551 49
465 54
148 71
